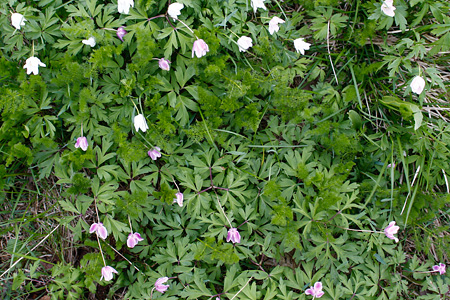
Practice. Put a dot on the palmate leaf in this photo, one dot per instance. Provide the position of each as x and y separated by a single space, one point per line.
198 288
400 16
106 193
441 45
116 228
199 203
320 23
183 106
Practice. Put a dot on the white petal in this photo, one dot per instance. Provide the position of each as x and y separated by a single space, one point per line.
90 41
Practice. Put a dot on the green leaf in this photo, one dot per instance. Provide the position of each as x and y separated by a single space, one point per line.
18 279
67 206
355 118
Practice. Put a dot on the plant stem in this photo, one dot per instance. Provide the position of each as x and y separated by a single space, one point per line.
124 258
221 208
188 28
96 209
100 248
248 281
129 222
155 17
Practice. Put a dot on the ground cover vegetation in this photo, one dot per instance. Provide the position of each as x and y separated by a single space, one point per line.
229 149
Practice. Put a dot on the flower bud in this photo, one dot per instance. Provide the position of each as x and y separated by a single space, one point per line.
121 33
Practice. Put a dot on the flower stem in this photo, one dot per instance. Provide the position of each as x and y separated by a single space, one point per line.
248 281
101 251
135 106
282 11
125 258
188 28
129 222
146 140
96 209
155 17
221 208
361 230
207 189
242 223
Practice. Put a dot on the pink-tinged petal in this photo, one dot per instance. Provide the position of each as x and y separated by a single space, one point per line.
390 230
102 232
154 153
121 32
162 288
388 10
82 143
159 286
179 199
107 273
315 291
439 268
237 238
93 228
138 237
319 294
273 24
161 280
131 241
164 64
233 235
200 48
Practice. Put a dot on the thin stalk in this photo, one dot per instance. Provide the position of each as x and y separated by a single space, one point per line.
129 222
101 251
188 28
38 244
329 53
125 258
221 208
248 281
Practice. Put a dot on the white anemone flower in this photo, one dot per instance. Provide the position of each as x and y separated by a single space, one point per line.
388 8
258 4
273 24
32 65
140 123
417 85
90 41
300 45
174 10
17 20
244 42
123 6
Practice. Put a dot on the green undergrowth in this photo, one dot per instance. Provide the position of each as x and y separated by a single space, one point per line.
309 156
